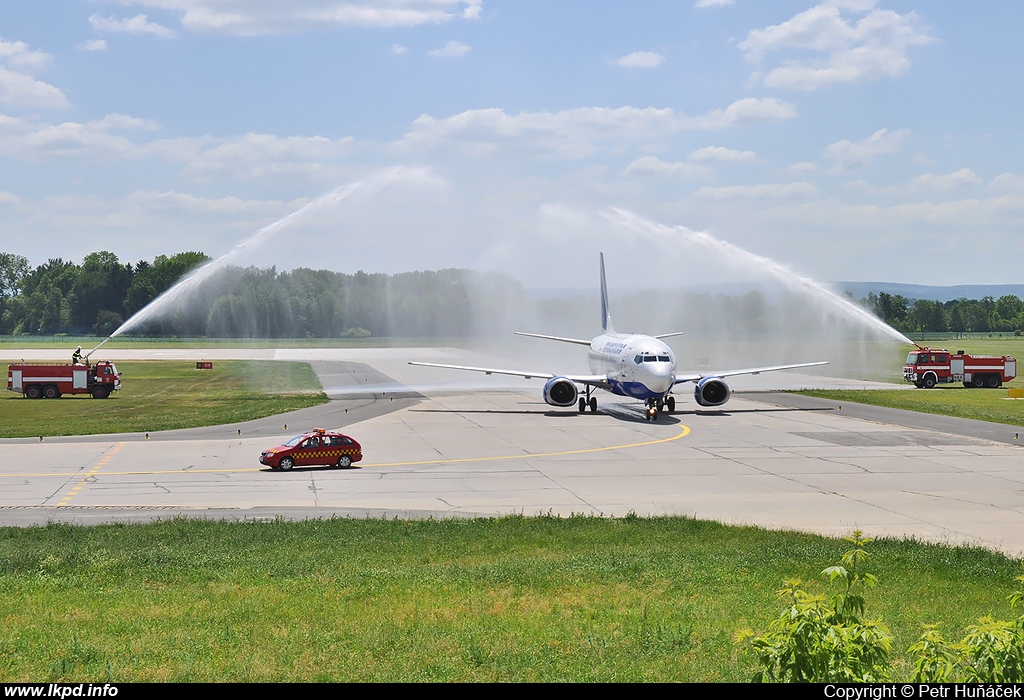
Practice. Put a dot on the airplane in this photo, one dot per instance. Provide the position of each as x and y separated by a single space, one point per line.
627 364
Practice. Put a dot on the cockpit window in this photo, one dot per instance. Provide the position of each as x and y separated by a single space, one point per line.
663 358
638 359
650 358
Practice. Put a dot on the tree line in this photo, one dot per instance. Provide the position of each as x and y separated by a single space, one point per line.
99 294
985 315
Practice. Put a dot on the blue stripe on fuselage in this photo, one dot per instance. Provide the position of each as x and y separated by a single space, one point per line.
636 390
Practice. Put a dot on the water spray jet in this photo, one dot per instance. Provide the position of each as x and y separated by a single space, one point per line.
195 279
780 273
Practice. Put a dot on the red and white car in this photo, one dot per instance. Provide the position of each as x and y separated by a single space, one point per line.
316 448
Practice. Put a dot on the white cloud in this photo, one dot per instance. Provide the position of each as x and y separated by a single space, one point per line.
398 49
849 154
17 87
9 199
1007 182
749 110
21 90
652 165
641 59
123 122
256 156
450 50
960 178
36 141
258 17
718 153
922 184
713 3
765 191
578 132
93 45
17 54
101 139
139 24
802 167
872 48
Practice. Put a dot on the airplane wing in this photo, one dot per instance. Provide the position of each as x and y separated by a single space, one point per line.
697 376
598 380
560 339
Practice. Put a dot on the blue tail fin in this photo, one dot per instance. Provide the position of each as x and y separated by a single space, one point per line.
606 319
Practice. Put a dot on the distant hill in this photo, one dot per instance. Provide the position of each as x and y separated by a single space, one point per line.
771 290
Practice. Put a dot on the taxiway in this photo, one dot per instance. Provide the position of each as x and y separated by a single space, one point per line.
433 451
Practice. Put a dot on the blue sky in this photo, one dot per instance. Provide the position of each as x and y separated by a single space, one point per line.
846 139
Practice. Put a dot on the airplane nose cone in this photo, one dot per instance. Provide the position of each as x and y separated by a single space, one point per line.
658 376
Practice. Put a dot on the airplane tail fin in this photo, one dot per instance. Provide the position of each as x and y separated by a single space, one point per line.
606 319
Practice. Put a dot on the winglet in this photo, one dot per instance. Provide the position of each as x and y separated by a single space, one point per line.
606 319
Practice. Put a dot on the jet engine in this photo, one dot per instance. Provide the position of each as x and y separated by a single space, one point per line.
560 391
711 391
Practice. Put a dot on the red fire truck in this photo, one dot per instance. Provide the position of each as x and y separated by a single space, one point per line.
927 367
50 381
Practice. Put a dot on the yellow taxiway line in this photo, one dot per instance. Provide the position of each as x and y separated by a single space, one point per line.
463 460
99 465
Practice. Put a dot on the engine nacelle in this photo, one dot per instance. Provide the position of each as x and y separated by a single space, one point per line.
711 391
560 391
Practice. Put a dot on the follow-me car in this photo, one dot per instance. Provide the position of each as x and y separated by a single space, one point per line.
315 448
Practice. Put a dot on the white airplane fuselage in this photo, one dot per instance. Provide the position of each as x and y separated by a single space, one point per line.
637 366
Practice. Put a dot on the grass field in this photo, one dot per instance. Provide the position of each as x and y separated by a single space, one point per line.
511 599
978 404
167 395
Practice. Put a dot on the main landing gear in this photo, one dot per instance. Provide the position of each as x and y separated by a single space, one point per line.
655 406
589 400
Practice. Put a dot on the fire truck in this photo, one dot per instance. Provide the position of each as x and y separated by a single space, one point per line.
927 367
51 381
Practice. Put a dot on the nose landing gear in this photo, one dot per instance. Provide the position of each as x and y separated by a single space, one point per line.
655 406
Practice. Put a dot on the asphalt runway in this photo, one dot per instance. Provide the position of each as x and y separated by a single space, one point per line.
437 445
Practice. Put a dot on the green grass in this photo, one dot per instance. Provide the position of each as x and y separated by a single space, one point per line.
511 599
167 395
979 404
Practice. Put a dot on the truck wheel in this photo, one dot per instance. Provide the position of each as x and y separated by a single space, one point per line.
286 463
993 381
978 380
344 461
968 385
51 391
929 382
99 392
33 392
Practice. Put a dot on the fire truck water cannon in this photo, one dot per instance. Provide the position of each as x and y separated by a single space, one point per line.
927 367
53 380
